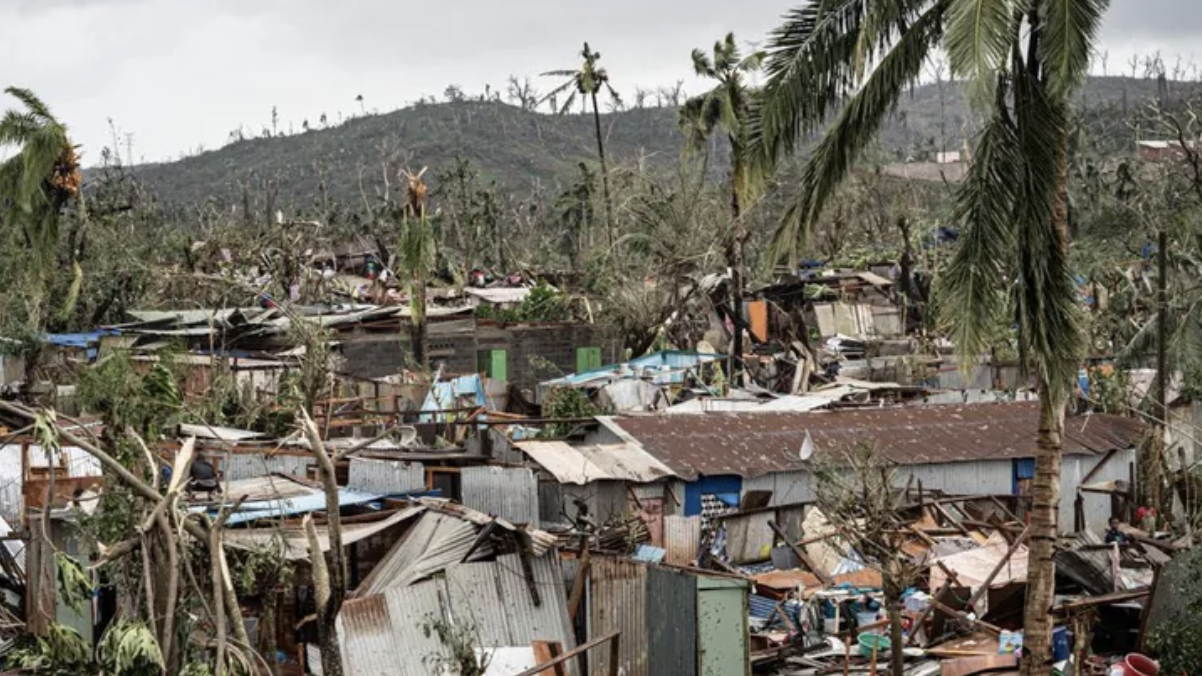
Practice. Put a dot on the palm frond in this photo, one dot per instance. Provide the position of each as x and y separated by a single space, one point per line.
702 65
972 288
1066 41
1047 313
811 64
980 34
855 127
33 103
16 127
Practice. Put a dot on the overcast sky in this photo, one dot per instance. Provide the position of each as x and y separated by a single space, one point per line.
183 73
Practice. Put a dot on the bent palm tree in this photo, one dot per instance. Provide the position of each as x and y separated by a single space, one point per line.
38 181
851 60
727 107
588 82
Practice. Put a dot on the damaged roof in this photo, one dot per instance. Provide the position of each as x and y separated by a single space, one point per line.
753 444
583 464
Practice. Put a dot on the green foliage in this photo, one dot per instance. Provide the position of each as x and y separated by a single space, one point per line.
124 398
74 583
62 652
1177 642
566 403
130 649
262 569
544 304
460 642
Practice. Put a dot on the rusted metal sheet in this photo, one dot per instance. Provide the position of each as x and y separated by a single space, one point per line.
253 465
682 539
671 622
584 464
754 444
389 477
507 492
618 602
383 635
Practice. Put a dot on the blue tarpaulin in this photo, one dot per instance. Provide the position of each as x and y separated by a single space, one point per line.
304 504
89 341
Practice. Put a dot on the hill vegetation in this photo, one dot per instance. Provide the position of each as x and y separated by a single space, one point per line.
523 149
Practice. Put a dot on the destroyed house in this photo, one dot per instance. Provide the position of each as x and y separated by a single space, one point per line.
720 459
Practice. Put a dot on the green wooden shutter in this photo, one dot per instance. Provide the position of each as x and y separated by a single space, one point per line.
588 359
499 365
493 364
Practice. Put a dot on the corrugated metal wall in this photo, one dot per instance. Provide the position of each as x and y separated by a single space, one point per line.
984 477
787 487
722 627
682 539
494 597
254 465
388 477
671 622
508 492
618 602
384 636
1073 469
605 500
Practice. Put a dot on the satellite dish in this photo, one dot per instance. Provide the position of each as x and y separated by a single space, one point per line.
807 448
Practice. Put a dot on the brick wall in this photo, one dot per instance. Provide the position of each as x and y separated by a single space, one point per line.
535 352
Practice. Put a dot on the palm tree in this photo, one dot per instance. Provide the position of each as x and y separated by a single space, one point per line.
36 184
846 63
588 82
727 107
38 181
418 258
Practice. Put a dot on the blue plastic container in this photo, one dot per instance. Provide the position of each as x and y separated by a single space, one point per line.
1062 644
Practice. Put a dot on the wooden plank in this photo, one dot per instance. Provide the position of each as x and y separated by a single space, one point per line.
801 555
969 666
574 652
545 651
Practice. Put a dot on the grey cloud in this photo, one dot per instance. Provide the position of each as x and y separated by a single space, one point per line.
180 73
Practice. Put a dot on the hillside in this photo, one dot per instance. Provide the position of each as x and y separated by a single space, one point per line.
517 148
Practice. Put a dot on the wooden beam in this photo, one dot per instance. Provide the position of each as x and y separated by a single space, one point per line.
984 588
801 555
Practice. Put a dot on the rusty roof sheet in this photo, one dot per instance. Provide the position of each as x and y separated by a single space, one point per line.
753 444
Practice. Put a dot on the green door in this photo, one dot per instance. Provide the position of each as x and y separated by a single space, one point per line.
588 359
722 627
493 364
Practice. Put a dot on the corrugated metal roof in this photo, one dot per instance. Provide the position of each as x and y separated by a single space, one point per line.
753 444
242 466
297 545
434 543
275 496
219 433
499 295
584 464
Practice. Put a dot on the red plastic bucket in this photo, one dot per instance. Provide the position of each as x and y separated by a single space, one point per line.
1139 665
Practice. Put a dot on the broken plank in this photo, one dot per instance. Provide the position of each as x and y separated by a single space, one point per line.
801 555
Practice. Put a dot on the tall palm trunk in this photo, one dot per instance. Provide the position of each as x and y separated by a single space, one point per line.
1045 508
609 210
735 261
